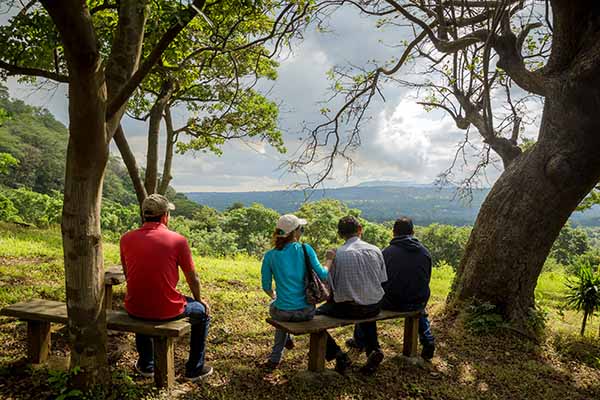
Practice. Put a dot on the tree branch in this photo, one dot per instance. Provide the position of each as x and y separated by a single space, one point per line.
121 98
13 70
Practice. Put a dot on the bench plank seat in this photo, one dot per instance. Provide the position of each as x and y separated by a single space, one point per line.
40 313
324 322
318 326
56 312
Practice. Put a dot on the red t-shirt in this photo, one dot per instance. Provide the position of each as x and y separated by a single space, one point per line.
150 255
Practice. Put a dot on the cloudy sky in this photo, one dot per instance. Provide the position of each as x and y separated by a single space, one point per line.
401 142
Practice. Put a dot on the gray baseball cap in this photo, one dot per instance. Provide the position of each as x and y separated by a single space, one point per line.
156 205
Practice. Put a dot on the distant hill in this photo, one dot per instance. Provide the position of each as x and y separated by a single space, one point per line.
426 204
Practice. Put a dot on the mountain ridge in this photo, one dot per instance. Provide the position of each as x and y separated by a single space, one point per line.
425 204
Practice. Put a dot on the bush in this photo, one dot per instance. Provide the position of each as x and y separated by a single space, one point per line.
570 243
483 318
214 243
8 211
254 227
584 292
445 242
35 208
323 217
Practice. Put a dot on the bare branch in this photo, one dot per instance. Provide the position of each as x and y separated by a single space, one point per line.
13 70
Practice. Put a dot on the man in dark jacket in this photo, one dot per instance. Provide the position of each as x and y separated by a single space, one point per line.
408 265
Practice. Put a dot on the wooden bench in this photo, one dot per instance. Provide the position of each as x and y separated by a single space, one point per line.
40 313
318 327
112 276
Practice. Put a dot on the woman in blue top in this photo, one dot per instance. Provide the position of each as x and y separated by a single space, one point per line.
285 264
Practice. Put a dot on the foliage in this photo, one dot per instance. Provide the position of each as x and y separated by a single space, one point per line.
8 211
584 292
570 243
253 225
323 217
445 242
183 206
592 199
39 209
483 318
6 162
59 381
376 234
116 219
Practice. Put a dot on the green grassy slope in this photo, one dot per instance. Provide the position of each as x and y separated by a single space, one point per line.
466 366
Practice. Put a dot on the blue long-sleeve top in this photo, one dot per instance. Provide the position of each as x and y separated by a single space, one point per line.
287 268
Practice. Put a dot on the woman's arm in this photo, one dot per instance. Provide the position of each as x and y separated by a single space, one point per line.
267 278
316 265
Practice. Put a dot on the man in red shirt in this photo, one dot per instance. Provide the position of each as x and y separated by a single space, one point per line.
150 257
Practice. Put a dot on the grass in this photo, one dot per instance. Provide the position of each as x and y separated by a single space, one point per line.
502 366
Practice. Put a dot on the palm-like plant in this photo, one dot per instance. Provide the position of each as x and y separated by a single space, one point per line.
584 292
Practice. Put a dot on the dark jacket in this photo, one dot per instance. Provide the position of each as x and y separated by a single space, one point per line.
408 265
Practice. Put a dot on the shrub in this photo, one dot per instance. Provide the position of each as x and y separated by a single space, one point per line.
445 242
483 318
584 292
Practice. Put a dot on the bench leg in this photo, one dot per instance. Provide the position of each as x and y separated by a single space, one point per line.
38 340
108 297
164 362
411 337
316 353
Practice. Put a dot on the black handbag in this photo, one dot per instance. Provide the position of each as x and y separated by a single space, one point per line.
316 290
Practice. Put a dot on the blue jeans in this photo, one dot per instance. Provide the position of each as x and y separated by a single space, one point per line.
200 322
281 337
425 336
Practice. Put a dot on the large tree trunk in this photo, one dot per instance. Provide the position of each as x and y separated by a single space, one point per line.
528 205
87 155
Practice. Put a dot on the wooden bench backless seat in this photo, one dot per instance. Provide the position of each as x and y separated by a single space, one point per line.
40 313
318 326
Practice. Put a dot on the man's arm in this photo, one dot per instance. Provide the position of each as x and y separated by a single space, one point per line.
193 282
123 265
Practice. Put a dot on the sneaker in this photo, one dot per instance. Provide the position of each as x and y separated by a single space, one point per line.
204 373
270 365
373 361
351 343
342 362
146 372
427 353
289 344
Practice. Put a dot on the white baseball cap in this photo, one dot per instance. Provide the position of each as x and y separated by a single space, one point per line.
288 223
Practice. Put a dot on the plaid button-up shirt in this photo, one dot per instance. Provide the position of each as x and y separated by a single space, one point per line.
357 273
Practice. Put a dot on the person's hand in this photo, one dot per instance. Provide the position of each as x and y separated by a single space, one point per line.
206 307
330 255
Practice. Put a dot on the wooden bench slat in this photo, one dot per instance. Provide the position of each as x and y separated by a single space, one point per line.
56 312
323 322
121 321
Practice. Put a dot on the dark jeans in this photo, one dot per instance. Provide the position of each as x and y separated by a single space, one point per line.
200 322
425 336
281 337
349 310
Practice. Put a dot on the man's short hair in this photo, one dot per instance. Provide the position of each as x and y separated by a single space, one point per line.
153 218
403 226
348 226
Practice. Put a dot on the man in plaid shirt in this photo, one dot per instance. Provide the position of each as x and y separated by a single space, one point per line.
355 277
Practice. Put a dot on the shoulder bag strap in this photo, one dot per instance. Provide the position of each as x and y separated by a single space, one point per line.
306 259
